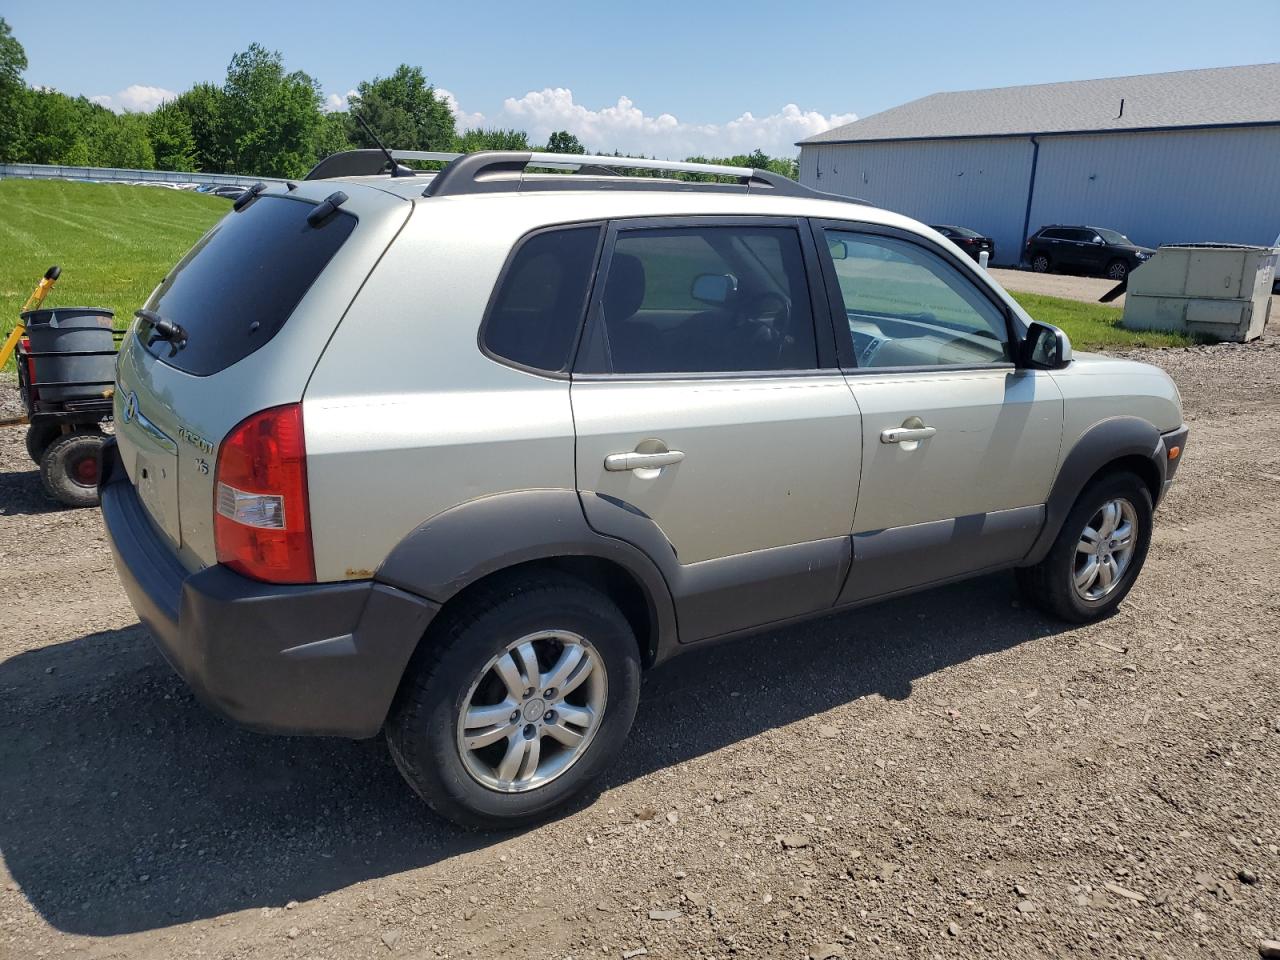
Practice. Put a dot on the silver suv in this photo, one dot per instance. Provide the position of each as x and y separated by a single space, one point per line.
459 455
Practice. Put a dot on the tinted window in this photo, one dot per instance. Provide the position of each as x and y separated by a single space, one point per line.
535 316
907 306
236 288
704 300
1053 234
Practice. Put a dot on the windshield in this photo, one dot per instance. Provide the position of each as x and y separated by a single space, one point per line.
1112 237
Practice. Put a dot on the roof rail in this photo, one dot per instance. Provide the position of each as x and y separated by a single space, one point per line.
369 162
498 171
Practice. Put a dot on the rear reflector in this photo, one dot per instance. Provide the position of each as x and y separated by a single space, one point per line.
261 523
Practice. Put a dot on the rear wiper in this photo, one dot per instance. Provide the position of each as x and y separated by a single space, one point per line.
162 329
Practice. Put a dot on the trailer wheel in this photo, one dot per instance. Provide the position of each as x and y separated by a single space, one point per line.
39 436
69 468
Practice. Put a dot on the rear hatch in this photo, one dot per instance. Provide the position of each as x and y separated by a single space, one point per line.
256 300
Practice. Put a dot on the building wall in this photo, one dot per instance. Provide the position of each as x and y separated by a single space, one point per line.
980 184
1185 186
1189 186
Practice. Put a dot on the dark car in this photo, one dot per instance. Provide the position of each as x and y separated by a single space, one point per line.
970 241
1095 251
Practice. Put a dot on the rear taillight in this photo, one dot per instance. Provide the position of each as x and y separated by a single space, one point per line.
262 523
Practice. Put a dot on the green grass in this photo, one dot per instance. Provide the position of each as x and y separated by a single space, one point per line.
114 242
1094 326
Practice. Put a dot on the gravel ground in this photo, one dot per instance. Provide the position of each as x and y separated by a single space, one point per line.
947 775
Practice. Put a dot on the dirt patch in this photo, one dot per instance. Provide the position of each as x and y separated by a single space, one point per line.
1084 289
948 774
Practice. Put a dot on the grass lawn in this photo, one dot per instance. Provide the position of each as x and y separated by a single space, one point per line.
114 242
1094 326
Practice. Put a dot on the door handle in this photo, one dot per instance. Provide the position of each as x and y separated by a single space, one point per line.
907 434
618 462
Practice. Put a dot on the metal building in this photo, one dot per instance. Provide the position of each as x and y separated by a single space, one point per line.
1189 156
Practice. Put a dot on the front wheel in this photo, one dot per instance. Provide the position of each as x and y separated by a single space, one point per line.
1098 553
516 702
1117 270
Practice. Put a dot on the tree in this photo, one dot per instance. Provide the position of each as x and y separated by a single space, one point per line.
562 141
333 135
13 60
169 129
119 141
55 129
404 111
204 108
272 117
495 139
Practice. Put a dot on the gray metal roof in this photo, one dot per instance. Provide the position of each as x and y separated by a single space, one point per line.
1223 96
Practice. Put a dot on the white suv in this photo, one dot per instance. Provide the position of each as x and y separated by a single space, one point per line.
459 455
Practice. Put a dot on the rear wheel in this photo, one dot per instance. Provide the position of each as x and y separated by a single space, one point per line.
1040 263
517 702
69 468
39 436
1117 270
1098 553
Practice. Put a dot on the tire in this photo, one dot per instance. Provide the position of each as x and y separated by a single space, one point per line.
39 436
1117 270
452 670
1040 263
69 468
1051 584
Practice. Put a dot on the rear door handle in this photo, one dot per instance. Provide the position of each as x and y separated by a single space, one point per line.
618 462
906 434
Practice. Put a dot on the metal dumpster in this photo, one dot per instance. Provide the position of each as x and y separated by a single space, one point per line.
1217 290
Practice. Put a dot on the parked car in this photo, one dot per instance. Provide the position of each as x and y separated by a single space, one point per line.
1095 251
460 455
970 241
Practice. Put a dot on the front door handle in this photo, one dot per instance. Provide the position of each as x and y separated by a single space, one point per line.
618 462
907 434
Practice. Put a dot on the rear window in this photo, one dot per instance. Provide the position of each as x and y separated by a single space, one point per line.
236 288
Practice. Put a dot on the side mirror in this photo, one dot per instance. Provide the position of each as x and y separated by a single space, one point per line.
1045 347
1099 242
839 249
713 287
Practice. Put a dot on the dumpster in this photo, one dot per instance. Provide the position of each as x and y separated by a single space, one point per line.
1216 290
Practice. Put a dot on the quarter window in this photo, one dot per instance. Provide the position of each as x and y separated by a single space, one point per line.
714 299
907 306
535 316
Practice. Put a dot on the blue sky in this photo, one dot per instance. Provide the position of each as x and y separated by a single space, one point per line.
665 78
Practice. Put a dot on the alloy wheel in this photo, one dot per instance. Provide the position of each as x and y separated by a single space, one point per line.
533 711
1105 550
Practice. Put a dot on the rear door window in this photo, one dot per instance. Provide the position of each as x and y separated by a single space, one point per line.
703 299
238 286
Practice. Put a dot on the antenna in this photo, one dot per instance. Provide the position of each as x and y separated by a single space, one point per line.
397 170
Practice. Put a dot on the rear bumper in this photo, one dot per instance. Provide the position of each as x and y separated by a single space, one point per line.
311 659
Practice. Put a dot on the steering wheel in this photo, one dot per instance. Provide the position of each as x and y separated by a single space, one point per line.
771 323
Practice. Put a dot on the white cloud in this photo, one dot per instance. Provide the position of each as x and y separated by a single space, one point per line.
624 126
136 98
335 102
461 119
